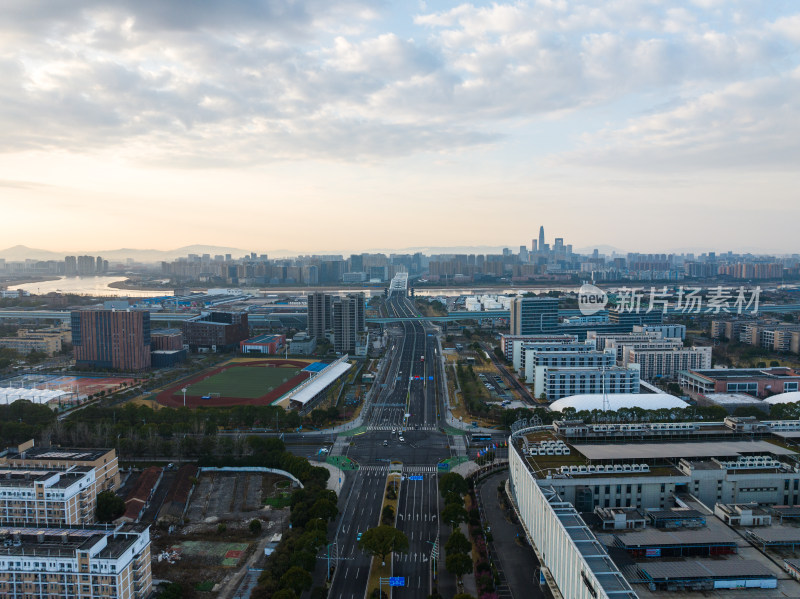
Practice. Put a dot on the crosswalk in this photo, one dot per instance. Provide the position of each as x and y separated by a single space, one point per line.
419 469
389 427
406 469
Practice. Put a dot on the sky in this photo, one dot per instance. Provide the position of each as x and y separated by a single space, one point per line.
322 126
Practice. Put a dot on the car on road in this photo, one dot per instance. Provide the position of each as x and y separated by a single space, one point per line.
358 536
401 439
394 431
324 450
385 443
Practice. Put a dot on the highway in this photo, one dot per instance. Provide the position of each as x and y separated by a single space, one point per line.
412 387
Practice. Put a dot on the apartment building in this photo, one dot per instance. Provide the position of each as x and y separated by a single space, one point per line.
103 461
47 497
70 563
655 363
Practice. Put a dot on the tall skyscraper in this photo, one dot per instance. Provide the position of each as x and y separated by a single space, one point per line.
319 314
118 339
348 322
541 238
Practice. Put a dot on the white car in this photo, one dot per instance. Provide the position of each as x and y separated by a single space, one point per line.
401 439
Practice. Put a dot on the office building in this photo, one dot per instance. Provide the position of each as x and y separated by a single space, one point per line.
533 315
216 331
319 314
540 358
348 322
758 382
511 344
563 382
68 563
667 331
109 339
666 363
166 340
263 344
303 344
635 317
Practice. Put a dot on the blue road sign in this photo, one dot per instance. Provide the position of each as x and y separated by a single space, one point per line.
397 581
415 477
430 378
444 466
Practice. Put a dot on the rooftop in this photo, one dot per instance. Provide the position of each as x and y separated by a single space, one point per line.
60 455
639 451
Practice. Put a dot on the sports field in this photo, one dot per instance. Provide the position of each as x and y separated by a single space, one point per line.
243 381
239 382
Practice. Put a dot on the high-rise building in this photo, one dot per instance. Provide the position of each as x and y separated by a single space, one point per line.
348 322
70 266
111 339
533 315
541 238
319 314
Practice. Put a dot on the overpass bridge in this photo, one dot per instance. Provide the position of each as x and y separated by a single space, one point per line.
399 283
295 318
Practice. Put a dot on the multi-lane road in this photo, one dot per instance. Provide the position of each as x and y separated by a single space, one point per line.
409 406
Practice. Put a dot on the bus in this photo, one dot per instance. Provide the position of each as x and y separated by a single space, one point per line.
480 437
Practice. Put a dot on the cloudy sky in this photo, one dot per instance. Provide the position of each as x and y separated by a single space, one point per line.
319 125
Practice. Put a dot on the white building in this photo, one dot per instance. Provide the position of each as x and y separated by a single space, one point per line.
666 363
68 563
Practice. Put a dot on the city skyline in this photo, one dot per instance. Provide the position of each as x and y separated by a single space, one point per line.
412 124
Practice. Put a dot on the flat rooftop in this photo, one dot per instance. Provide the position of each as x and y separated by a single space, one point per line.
61 455
714 569
722 374
654 537
639 451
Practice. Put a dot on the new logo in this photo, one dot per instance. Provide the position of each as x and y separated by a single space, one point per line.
591 299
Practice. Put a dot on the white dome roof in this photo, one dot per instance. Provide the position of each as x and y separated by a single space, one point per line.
790 397
594 401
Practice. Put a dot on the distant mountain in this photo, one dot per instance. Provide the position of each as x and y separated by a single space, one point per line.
20 253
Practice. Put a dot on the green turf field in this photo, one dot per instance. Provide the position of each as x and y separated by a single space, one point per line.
247 382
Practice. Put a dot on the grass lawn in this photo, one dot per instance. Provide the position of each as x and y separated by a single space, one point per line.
243 381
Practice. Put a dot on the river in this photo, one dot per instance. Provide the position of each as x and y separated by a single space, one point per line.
87 286
99 286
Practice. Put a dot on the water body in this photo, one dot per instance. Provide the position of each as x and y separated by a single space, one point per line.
99 286
86 286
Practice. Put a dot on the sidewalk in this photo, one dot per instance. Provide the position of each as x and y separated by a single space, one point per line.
515 561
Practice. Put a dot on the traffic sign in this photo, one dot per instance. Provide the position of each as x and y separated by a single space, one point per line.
415 477
397 581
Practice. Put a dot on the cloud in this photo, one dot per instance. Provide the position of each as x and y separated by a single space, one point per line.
189 82
752 125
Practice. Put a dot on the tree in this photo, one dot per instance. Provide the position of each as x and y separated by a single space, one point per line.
109 506
255 526
454 514
452 482
457 543
172 591
463 596
383 540
458 564
387 515
285 594
296 579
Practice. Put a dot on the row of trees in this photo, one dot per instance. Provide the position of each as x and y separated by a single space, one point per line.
288 572
457 560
